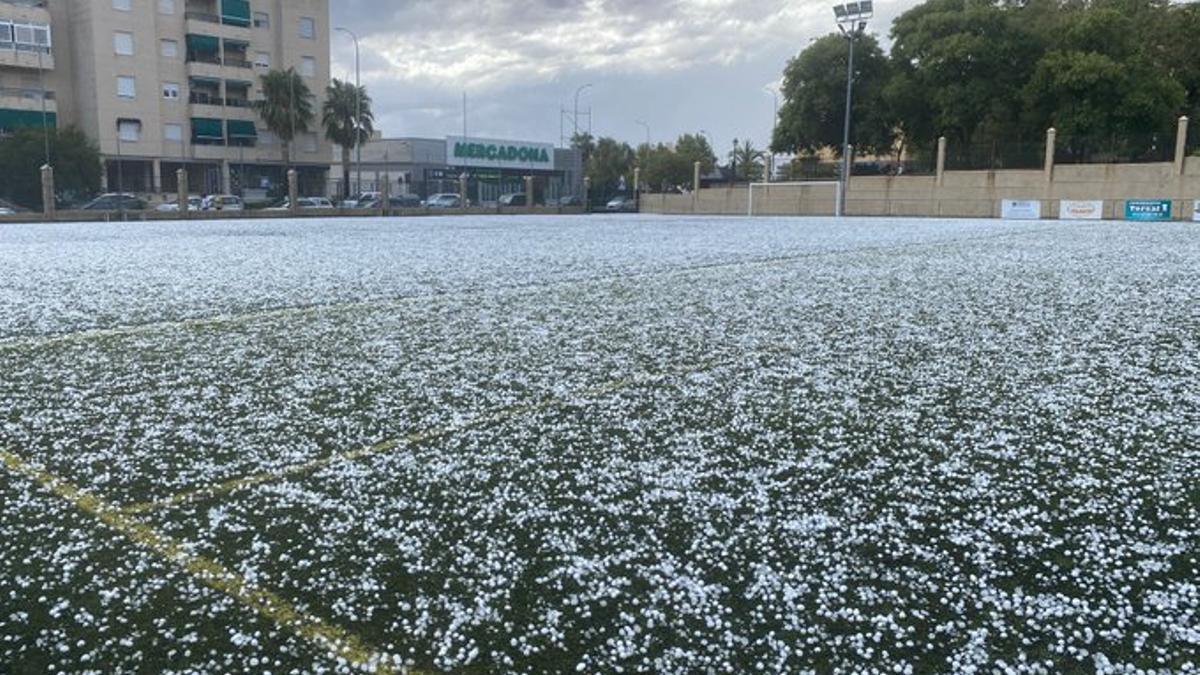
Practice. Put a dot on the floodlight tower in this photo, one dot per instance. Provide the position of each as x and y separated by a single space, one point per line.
852 21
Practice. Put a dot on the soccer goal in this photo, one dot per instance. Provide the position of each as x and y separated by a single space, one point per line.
763 189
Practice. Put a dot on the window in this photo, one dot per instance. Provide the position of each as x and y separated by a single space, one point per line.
308 28
6 33
308 142
166 7
170 91
262 20
123 5
170 49
308 66
173 132
126 86
123 43
24 33
262 60
129 131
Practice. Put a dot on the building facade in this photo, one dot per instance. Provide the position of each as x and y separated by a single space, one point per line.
163 85
492 167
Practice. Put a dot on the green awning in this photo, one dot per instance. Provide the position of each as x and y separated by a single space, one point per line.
11 120
206 44
238 83
241 129
235 12
206 129
213 81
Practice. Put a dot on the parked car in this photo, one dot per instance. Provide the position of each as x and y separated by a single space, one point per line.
11 209
621 205
570 200
304 203
397 202
223 203
444 200
5 211
515 199
194 204
114 202
361 201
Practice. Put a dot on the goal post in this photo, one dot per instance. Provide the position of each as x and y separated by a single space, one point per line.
763 187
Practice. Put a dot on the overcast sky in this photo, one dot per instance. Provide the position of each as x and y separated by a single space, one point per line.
678 65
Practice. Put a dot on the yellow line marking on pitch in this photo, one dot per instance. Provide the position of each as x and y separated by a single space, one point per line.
337 641
481 420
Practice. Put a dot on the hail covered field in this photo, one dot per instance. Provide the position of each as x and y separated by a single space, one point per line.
600 445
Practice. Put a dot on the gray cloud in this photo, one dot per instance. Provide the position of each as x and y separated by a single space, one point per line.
681 65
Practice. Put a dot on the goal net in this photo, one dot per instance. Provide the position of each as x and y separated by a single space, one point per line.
795 194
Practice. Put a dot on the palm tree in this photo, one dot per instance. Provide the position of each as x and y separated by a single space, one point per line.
286 107
748 161
343 103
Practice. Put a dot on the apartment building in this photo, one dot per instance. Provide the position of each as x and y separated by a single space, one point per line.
163 85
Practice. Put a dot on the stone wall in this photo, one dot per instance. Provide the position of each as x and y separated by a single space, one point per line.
973 194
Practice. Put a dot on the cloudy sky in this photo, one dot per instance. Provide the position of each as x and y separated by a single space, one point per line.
677 65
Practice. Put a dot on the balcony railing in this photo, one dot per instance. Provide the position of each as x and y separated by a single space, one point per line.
31 94
200 98
237 62
202 16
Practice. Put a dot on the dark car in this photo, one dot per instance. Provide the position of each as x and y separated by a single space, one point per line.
114 202
515 199
570 200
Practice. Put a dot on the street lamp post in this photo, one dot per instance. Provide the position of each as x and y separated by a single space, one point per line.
774 129
357 109
575 120
852 21
646 126
45 115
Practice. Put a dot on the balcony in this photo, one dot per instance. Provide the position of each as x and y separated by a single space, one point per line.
33 57
27 99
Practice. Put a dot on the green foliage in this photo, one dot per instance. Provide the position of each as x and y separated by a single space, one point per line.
286 106
814 89
75 158
747 162
344 103
609 161
666 167
979 71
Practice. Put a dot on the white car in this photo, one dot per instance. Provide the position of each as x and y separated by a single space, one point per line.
360 201
223 203
194 204
444 200
304 203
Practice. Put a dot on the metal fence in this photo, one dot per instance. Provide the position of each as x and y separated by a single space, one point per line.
995 155
1136 149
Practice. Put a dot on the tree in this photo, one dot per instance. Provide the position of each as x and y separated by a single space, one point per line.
814 98
75 158
747 161
663 167
695 148
609 162
584 142
286 107
348 121
964 64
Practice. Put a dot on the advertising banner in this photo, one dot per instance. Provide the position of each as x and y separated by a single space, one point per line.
1196 211
1081 210
1148 209
1020 209
495 154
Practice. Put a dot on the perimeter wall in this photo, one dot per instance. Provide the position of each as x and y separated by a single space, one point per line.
973 194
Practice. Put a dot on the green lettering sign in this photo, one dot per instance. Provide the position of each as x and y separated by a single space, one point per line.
501 153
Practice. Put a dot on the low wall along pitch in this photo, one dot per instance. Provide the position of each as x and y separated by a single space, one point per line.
1160 191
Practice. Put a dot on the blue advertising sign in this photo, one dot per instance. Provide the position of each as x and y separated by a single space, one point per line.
1148 209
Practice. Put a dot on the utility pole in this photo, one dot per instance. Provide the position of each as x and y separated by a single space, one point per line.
852 21
358 135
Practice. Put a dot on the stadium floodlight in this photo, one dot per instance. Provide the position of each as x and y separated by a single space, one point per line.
852 21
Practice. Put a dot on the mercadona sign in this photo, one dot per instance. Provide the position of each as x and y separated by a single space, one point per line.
481 152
